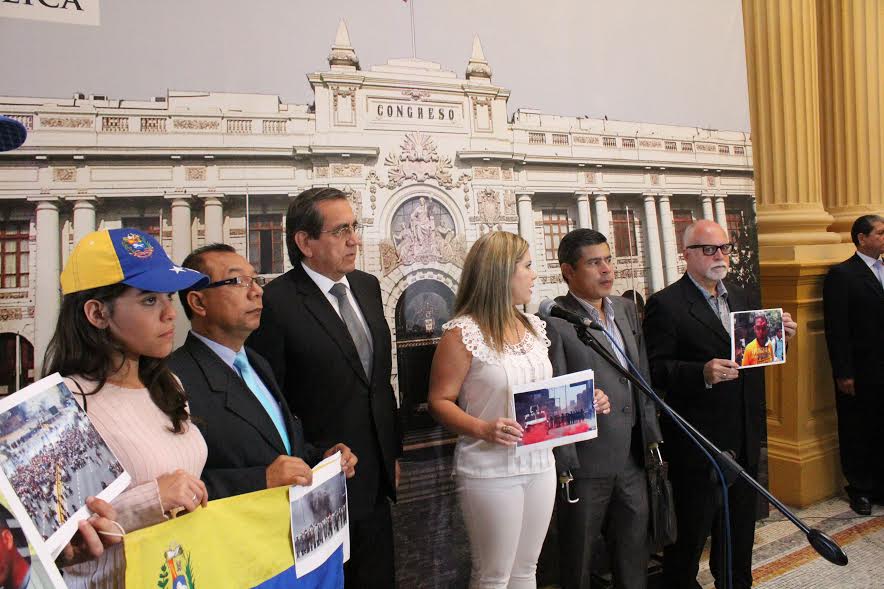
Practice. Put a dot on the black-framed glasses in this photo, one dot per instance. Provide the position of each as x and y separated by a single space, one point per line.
243 281
709 250
346 231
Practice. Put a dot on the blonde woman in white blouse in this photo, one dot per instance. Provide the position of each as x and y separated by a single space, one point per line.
489 346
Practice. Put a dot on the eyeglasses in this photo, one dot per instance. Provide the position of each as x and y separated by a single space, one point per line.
346 231
243 281
709 250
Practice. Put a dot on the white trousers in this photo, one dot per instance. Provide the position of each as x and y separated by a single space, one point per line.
506 519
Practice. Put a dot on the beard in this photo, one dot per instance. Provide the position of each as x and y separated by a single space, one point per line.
717 272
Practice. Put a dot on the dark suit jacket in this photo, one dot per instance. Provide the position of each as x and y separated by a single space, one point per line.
241 437
607 454
317 366
683 333
853 303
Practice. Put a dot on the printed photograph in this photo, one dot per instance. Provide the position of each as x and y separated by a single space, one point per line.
20 565
758 338
54 459
556 411
319 522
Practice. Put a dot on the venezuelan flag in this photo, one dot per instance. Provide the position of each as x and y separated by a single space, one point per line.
241 542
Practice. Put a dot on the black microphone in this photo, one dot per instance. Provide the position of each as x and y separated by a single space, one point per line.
549 308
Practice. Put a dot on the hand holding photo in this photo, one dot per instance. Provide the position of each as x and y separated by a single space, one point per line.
758 338
556 411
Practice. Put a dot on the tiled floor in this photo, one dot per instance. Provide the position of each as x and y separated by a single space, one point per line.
782 559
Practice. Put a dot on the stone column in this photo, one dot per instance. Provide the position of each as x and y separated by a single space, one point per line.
795 248
603 224
181 230
47 289
670 253
720 212
84 216
213 217
708 214
526 216
851 109
583 216
652 244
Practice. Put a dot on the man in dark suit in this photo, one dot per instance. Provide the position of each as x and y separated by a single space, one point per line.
853 303
687 327
609 473
253 439
326 338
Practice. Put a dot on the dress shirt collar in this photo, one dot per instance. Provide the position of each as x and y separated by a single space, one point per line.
607 306
869 260
720 290
324 283
226 354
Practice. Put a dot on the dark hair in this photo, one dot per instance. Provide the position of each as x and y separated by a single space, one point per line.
864 225
571 246
195 261
303 216
79 348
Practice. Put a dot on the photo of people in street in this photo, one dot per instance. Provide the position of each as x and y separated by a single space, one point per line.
320 522
556 411
757 337
54 459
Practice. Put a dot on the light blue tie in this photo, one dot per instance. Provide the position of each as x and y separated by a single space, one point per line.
253 381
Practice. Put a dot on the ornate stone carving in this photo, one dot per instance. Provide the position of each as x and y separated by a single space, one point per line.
237 233
64 174
346 170
650 143
197 124
195 173
423 232
320 171
509 203
506 174
489 205
10 313
415 94
13 295
486 173
586 139
655 179
591 177
418 161
710 180
355 198
707 147
67 122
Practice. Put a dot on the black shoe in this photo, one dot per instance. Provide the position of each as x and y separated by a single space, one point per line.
861 504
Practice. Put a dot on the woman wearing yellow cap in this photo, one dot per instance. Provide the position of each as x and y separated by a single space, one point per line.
114 331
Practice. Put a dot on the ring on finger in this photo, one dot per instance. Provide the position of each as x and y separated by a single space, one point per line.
505 429
195 499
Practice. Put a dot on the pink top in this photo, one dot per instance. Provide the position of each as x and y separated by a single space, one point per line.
137 432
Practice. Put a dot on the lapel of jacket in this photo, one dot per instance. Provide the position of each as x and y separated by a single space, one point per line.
238 399
571 303
376 323
319 306
700 309
866 275
258 363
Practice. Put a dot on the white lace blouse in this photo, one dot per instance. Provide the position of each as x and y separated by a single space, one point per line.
485 395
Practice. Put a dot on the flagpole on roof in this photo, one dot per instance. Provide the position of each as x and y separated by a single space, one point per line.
411 9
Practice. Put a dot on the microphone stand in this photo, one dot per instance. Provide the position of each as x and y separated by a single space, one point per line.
821 542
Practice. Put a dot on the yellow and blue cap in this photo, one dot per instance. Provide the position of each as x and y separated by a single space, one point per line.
130 256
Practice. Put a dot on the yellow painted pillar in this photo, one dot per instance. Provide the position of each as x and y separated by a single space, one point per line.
851 46
795 247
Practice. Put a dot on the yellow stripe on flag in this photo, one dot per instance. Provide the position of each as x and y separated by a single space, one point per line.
239 541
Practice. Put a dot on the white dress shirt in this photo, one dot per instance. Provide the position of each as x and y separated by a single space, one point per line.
325 284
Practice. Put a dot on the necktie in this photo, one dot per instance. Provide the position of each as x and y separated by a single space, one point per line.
354 326
253 381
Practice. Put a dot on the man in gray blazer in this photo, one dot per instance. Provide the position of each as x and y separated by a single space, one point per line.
609 474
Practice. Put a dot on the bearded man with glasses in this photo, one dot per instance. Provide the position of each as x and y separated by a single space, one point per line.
687 328
254 442
326 337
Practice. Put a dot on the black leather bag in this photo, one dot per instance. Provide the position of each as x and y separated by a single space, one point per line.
663 528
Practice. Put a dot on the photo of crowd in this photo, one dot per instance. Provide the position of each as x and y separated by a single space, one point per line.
758 337
554 414
53 457
319 523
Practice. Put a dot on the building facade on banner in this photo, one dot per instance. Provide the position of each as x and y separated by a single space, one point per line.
429 160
